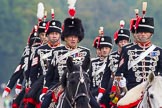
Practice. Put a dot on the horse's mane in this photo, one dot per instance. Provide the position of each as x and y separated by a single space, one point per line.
133 94
65 74
156 85
157 81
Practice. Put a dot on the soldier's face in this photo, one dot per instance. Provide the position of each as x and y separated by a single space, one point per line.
98 52
54 37
144 36
135 37
105 51
122 43
72 41
43 37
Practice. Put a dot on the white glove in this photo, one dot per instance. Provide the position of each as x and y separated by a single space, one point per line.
99 97
41 97
6 92
122 82
18 89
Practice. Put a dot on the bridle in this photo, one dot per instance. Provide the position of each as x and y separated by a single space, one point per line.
148 97
77 95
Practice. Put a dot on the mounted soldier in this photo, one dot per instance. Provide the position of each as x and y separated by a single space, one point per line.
98 64
41 60
142 58
73 33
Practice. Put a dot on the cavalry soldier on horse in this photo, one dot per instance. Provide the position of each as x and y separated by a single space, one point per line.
121 38
98 64
142 58
42 58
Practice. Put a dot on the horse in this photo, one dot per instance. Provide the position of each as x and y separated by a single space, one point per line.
145 95
76 84
152 97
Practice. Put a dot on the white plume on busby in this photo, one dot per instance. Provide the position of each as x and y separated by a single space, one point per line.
144 7
101 31
40 11
72 3
72 25
136 12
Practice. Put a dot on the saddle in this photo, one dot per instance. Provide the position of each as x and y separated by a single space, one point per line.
132 97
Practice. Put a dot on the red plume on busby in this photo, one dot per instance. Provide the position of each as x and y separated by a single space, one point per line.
33 37
72 25
144 24
72 10
116 35
52 14
133 21
132 25
97 39
121 34
53 25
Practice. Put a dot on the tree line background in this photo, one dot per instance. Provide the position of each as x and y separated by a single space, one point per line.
17 18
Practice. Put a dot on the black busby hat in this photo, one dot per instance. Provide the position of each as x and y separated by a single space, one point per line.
33 37
42 27
73 26
145 24
53 26
121 34
105 41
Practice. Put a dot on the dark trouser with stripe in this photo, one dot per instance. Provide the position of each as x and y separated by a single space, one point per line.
93 102
47 100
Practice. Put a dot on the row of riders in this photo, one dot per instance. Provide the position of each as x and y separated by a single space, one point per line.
111 74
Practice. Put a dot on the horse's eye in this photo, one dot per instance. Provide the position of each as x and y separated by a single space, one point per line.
151 96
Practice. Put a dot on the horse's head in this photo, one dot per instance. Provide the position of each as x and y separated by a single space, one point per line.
154 91
77 84
153 96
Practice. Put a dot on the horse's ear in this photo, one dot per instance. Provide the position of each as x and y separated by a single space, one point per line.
86 64
70 64
151 77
